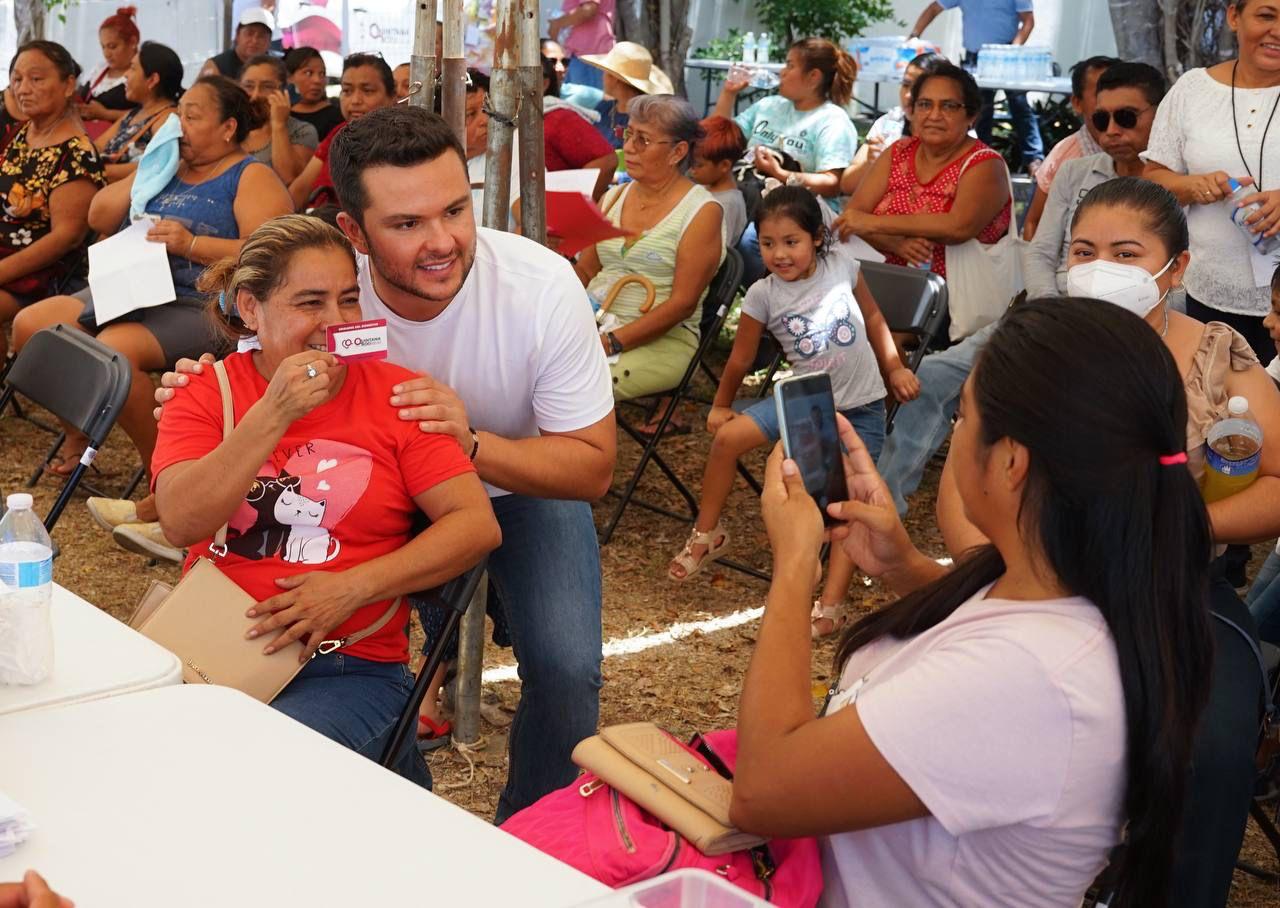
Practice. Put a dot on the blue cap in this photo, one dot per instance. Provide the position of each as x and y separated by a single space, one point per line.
1233 184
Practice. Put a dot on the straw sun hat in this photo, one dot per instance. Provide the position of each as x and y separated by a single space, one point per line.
632 64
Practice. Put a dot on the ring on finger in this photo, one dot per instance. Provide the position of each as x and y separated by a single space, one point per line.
311 370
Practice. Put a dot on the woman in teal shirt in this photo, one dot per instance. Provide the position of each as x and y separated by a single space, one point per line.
805 124
806 119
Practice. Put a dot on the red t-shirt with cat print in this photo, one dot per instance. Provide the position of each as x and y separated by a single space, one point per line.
336 492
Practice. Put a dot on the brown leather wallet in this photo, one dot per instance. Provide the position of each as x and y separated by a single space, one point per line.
650 767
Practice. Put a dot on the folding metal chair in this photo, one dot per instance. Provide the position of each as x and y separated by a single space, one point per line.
720 294
454 596
78 380
912 301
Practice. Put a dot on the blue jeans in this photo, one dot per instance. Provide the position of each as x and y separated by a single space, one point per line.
1264 600
580 73
355 702
867 421
1025 123
752 262
921 426
546 575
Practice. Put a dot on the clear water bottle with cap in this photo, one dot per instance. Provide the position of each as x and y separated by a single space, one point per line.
26 590
1233 451
1265 245
749 47
763 47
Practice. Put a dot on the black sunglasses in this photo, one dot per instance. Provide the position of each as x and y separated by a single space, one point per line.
1126 118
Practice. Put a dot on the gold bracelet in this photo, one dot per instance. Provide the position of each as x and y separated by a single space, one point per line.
191 248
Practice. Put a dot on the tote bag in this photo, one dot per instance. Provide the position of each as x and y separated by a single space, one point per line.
982 278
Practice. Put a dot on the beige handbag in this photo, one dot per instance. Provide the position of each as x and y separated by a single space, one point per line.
649 767
202 620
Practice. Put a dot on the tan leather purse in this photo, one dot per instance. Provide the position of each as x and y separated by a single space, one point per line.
649 767
202 619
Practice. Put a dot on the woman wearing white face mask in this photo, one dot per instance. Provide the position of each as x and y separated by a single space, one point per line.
1129 246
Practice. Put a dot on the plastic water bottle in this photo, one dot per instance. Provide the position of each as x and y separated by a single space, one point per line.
892 130
762 47
26 590
1233 450
1264 245
749 47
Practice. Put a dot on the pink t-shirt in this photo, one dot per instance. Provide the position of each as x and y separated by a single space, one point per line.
1007 721
595 36
1079 144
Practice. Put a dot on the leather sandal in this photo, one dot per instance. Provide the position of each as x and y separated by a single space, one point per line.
692 564
833 613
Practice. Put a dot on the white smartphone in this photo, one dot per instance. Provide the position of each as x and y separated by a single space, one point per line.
810 436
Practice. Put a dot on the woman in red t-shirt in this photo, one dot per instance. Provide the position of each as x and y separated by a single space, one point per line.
319 483
939 188
569 136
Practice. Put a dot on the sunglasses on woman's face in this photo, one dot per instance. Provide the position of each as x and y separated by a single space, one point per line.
1126 118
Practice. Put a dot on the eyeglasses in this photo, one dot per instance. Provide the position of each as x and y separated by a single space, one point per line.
1126 118
926 105
642 141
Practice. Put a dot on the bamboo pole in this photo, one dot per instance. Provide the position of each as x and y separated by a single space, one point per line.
422 63
533 213
504 105
466 706
453 82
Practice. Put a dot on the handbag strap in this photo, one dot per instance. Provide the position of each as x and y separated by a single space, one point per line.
219 546
329 646
1008 178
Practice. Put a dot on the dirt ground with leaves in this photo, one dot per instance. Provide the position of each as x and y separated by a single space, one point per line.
691 684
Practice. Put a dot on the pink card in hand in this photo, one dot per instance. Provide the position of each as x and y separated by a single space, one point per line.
359 340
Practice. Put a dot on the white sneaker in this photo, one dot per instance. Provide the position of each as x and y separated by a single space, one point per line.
147 539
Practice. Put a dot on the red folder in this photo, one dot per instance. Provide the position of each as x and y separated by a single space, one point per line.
578 223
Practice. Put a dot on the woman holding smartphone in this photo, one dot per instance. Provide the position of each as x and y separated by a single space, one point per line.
1077 639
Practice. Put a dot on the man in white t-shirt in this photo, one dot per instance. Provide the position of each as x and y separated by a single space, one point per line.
502 324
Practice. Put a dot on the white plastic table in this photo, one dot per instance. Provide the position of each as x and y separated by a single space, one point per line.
201 797
94 656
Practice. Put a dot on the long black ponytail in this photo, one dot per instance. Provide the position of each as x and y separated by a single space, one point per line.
1095 397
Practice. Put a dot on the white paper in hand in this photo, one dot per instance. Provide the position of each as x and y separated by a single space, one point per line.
127 272
582 181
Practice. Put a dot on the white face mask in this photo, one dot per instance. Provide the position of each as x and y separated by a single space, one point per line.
1128 286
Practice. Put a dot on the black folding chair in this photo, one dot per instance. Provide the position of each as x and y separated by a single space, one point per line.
78 380
1220 786
720 294
454 597
912 301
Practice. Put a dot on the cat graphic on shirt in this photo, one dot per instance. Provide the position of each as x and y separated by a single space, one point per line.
288 524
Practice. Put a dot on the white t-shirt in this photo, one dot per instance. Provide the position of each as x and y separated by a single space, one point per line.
518 344
1193 133
819 324
1007 720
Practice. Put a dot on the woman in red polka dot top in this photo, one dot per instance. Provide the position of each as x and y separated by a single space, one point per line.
938 188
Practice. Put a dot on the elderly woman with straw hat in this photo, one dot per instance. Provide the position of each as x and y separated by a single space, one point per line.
629 73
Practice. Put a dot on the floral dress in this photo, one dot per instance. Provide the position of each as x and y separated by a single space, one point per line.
907 195
28 177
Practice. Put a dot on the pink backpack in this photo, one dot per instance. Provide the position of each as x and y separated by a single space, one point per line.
607 836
